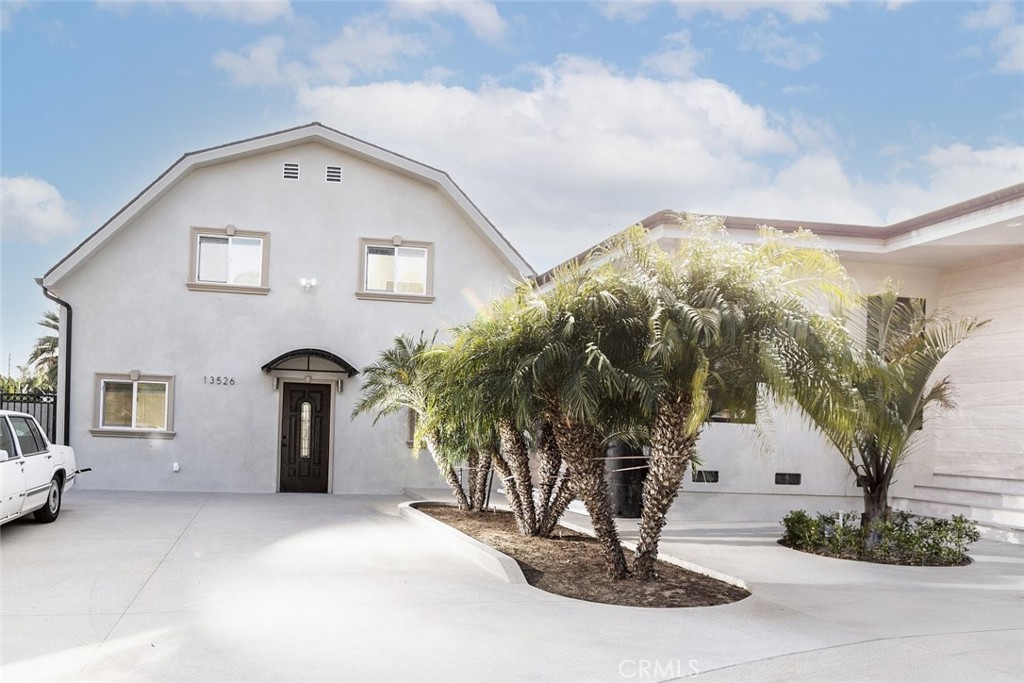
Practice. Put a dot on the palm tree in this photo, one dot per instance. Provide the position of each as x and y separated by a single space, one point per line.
397 381
899 352
44 353
578 370
487 353
729 326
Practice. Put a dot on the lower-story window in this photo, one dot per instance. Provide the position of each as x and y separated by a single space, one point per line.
134 405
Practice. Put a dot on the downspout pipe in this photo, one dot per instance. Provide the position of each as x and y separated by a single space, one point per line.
67 358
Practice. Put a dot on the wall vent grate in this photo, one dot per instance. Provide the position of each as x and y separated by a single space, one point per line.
787 478
334 174
705 477
291 171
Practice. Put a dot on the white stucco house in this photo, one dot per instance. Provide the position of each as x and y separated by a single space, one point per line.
214 325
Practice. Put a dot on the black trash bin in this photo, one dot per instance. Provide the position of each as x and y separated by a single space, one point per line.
626 467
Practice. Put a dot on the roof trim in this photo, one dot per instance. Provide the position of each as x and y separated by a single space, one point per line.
314 131
345 366
864 233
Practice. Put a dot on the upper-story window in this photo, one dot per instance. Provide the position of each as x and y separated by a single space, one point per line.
396 269
229 260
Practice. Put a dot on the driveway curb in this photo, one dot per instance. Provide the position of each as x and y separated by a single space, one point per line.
497 563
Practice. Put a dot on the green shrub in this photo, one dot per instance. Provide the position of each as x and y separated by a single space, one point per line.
905 539
801 531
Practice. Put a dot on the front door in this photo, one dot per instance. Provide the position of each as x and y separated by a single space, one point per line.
305 434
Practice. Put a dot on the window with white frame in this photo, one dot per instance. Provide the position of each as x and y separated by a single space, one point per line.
228 259
134 404
396 269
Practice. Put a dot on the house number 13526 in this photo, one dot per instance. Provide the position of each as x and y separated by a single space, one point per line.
216 379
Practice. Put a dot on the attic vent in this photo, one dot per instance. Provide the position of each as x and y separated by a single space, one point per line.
705 477
787 478
334 174
291 171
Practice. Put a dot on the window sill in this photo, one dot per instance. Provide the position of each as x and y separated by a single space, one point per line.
227 289
132 433
387 296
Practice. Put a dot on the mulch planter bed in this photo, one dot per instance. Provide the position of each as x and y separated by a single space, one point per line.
572 564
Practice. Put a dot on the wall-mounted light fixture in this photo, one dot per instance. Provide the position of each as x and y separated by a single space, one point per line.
308 283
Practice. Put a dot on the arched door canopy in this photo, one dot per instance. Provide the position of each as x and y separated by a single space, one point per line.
310 360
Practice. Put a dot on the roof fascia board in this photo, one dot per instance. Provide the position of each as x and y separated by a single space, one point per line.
958 225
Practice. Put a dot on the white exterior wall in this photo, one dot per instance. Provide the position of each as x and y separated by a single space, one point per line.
985 436
132 311
748 466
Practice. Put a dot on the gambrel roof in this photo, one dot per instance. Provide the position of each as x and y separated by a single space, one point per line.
312 132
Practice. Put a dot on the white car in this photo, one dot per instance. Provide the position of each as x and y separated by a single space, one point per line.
34 474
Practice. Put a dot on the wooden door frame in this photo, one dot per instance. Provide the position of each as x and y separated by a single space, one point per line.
331 382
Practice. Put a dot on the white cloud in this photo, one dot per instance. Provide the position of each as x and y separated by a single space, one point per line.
581 153
482 17
812 187
1007 43
235 11
729 10
8 8
780 50
33 210
242 11
261 65
437 74
586 150
630 11
955 173
995 15
367 46
677 59
736 10
796 89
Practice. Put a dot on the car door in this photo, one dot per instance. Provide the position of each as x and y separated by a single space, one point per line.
37 458
12 473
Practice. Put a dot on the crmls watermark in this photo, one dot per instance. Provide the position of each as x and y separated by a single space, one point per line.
657 669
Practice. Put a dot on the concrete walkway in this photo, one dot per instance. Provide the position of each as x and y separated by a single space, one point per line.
224 587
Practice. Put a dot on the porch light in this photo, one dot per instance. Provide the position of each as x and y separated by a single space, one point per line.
308 283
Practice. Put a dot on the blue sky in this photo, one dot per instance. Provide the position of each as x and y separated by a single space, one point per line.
563 121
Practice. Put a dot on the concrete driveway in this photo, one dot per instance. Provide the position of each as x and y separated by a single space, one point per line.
291 587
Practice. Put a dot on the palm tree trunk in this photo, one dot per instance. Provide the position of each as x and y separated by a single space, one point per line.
513 447
581 450
511 492
671 452
560 499
472 461
550 468
449 474
876 511
481 475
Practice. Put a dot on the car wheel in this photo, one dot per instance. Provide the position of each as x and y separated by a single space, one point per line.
49 512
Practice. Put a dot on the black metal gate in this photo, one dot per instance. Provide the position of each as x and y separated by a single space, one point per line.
43 407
